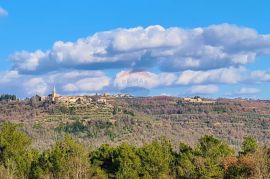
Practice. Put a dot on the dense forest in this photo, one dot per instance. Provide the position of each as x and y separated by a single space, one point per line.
67 158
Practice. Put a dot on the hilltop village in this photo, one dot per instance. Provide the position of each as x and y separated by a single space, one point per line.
104 98
56 98
116 118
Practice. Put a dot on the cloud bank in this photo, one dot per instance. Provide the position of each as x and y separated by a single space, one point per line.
152 57
170 50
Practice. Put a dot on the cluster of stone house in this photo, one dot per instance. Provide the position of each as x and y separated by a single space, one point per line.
198 100
69 100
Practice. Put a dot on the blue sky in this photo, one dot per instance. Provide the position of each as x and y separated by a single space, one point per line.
163 57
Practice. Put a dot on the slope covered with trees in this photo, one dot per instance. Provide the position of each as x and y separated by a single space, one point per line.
141 120
67 158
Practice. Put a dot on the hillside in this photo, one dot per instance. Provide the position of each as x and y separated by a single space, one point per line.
140 120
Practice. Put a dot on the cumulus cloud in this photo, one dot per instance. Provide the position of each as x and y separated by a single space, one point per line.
88 84
143 79
224 75
203 89
3 12
35 86
172 49
198 59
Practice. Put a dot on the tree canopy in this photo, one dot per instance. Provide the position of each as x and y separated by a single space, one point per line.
67 158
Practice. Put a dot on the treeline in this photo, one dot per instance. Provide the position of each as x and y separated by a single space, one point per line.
8 97
210 158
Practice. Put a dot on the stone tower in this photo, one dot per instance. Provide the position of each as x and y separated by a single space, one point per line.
54 94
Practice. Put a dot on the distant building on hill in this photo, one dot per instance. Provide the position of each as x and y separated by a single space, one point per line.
198 100
54 95
72 100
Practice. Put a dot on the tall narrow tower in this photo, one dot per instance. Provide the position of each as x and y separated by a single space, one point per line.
54 94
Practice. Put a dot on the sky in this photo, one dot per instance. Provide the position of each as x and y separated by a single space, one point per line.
143 47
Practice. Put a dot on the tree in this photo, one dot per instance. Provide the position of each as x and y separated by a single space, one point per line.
211 152
249 145
41 166
102 159
15 151
184 161
7 97
69 159
127 162
156 158
242 167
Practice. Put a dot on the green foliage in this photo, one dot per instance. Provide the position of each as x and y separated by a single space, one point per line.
73 128
67 110
103 158
15 149
210 158
127 161
41 166
184 162
68 158
214 148
211 152
128 112
156 158
7 97
116 110
249 145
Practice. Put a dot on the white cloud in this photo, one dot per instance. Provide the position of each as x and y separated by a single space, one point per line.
203 57
35 86
224 75
203 89
66 82
260 76
171 49
248 91
8 76
88 84
165 94
3 12
26 61
143 79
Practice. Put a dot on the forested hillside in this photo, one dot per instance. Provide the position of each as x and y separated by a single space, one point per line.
67 158
141 120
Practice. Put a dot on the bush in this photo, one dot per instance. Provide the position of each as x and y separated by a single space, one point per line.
249 145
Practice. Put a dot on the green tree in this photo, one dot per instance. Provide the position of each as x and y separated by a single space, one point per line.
15 151
127 162
6 97
184 162
249 145
211 153
69 158
156 158
102 159
41 166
